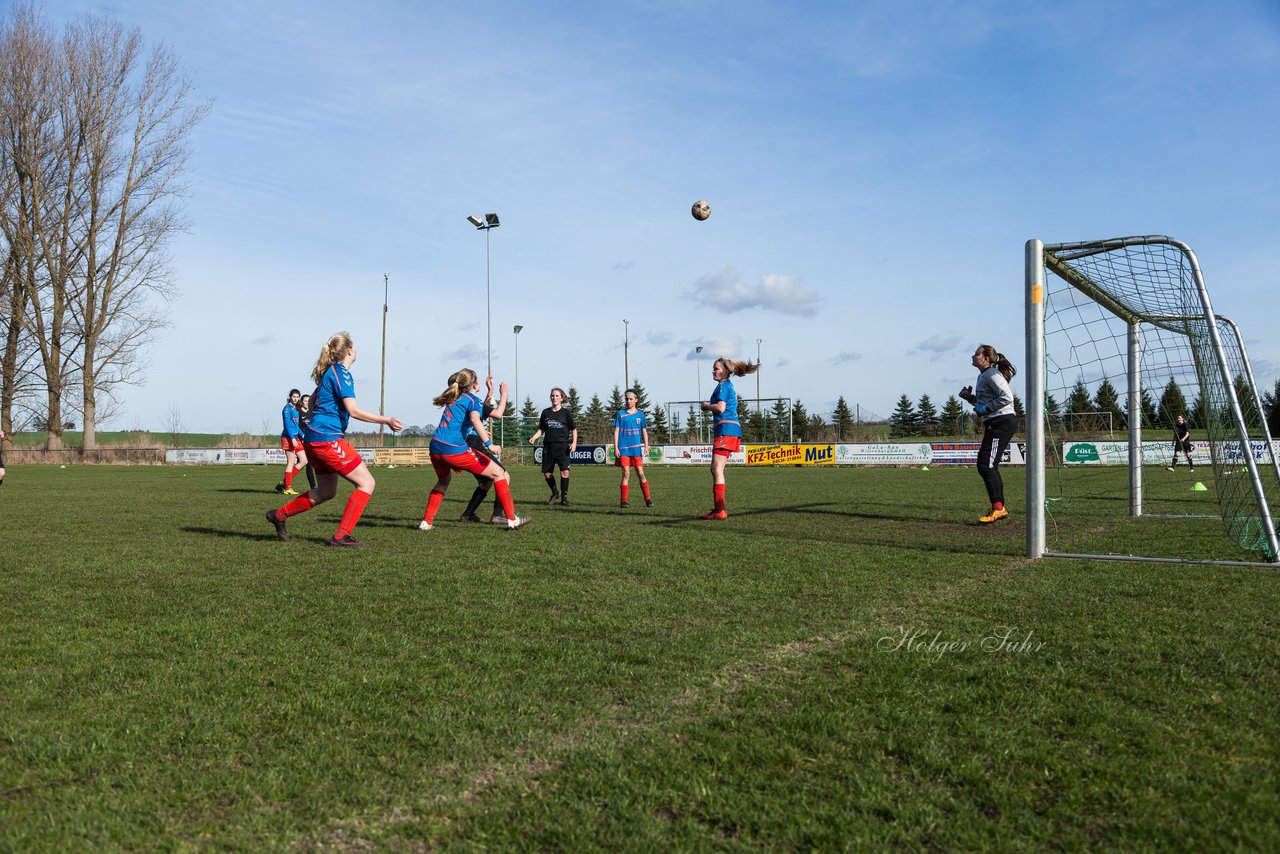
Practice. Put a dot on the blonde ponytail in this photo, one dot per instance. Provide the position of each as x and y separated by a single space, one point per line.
459 384
333 351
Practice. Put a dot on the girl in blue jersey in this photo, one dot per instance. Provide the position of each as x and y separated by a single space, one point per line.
631 446
993 400
728 432
333 405
450 452
295 457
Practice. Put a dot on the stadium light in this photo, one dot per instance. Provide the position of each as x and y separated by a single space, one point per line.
519 418
382 397
490 221
626 365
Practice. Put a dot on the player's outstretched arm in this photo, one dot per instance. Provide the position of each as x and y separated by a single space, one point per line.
354 410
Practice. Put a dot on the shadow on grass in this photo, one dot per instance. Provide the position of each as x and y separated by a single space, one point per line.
221 532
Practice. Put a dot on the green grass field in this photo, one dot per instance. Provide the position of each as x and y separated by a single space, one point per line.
848 662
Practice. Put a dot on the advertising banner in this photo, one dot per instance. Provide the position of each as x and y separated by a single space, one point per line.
698 455
966 453
791 455
1159 453
883 454
402 456
240 456
582 455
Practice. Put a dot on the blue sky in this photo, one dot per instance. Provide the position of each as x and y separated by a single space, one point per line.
874 170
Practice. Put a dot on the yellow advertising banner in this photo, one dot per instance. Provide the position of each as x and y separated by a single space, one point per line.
403 456
791 455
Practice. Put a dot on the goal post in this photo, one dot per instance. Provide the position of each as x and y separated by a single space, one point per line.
1129 319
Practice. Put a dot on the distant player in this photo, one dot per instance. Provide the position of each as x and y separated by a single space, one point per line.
993 400
727 431
325 443
304 418
295 457
1182 442
631 445
450 452
492 451
561 433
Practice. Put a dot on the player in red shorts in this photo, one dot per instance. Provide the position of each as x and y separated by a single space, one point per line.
333 406
631 446
450 452
295 457
727 430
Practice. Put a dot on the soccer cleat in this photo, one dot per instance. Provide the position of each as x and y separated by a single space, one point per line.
498 519
280 486
648 502
554 497
716 514
279 523
424 525
625 504
291 491
1170 468
564 502
469 517
348 540
512 524
994 516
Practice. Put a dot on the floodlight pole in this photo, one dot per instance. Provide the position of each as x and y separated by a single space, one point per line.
697 352
519 416
489 222
382 398
626 365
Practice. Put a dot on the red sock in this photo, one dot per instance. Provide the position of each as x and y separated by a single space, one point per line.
350 516
644 487
718 490
504 495
288 477
999 505
433 505
301 504
625 489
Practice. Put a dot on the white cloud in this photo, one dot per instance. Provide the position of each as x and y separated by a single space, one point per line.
938 346
847 356
466 353
775 292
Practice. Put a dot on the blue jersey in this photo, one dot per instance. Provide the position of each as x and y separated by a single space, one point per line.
630 433
451 436
328 413
727 421
290 417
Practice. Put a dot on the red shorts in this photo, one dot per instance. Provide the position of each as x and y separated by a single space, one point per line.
636 462
468 460
726 445
287 444
337 457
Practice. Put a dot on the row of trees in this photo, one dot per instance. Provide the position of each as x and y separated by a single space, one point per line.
93 147
773 423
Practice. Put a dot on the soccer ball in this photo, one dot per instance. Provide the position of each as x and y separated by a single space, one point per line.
701 210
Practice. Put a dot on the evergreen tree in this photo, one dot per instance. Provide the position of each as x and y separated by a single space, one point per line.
573 403
1150 416
1079 405
817 429
953 420
744 415
903 420
642 397
926 417
594 421
1017 407
1196 414
658 434
691 426
800 420
753 426
842 420
1107 399
781 421
1172 404
1271 403
1248 403
1052 410
617 403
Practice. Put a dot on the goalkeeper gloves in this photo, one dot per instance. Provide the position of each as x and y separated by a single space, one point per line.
980 408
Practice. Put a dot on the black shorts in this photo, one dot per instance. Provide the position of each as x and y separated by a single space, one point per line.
555 455
1182 447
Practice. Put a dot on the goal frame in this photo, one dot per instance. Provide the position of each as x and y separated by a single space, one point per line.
1041 257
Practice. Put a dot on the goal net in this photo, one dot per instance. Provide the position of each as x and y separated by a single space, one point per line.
1121 340
768 419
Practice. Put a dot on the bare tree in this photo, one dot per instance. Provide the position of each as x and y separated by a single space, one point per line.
134 120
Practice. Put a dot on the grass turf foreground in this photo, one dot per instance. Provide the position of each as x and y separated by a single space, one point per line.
847 662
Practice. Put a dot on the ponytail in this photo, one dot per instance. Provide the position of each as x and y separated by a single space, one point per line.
998 361
739 369
459 384
333 351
